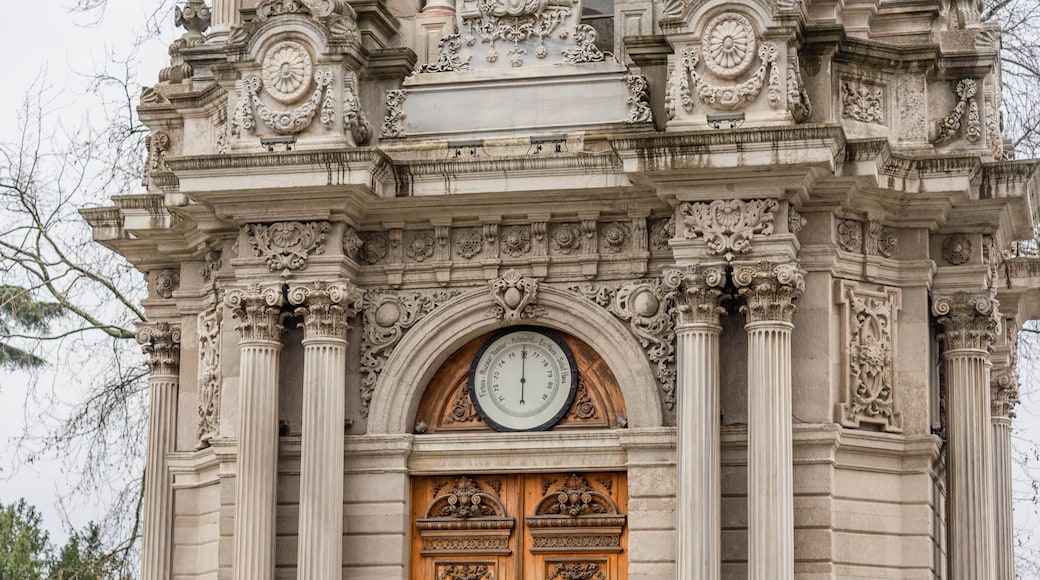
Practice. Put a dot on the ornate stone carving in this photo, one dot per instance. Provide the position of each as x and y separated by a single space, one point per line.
214 262
210 377
638 100
514 296
566 239
956 249
769 290
697 293
466 572
352 243
614 238
420 246
387 317
798 101
587 51
1003 392
469 244
520 22
661 233
948 127
728 225
393 121
326 308
287 245
869 323
258 310
157 144
644 305
516 241
880 240
576 571
575 515
374 248
795 221
166 281
862 101
993 123
162 343
728 50
969 321
448 58
583 407
284 122
287 71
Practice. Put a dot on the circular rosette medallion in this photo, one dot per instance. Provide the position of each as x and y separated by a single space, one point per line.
729 45
288 71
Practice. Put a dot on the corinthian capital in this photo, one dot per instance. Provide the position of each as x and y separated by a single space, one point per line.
968 320
697 292
327 308
258 310
1003 392
769 290
162 343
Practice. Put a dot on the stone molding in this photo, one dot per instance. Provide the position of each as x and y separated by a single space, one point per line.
769 290
258 310
968 320
161 341
327 308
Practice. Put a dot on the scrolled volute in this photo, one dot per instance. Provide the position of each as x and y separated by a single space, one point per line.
327 308
258 310
697 292
968 320
769 290
162 343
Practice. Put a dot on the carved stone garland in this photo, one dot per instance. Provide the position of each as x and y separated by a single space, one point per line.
210 377
515 22
948 127
514 297
465 518
288 73
728 49
388 315
575 516
869 327
645 306
728 225
287 245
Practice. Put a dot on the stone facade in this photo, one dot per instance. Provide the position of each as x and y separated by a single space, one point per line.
771 237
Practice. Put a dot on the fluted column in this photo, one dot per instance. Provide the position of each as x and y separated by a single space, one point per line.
697 292
769 291
258 311
162 344
968 326
327 310
1004 393
224 16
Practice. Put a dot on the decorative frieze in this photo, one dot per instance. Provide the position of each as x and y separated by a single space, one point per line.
872 238
162 343
614 238
387 317
326 308
468 243
516 241
420 246
863 101
575 515
287 245
166 282
969 320
514 297
466 572
727 226
868 326
769 290
566 239
258 310
661 233
956 249
210 377
965 113
644 305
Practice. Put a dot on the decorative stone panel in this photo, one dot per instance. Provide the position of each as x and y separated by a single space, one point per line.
869 320
210 377
863 101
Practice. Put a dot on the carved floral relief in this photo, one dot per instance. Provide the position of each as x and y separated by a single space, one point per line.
965 113
862 101
210 377
287 245
869 322
727 226
515 297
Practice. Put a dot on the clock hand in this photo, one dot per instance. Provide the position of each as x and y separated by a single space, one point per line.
523 372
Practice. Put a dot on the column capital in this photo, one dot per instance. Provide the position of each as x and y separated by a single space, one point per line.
697 292
258 310
968 320
327 307
161 341
1003 384
769 289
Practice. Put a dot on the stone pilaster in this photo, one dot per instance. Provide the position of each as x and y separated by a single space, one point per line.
697 293
162 344
968 326
327 310
1004 397
258 311
769 291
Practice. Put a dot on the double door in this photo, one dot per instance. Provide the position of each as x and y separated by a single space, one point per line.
546 526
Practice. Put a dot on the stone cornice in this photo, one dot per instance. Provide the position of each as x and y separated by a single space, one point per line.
279 160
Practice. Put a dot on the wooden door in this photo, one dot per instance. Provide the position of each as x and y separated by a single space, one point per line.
557 526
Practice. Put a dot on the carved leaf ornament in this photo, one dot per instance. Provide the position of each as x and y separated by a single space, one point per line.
287 245
728 225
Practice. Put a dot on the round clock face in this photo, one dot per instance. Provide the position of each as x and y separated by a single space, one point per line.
523 380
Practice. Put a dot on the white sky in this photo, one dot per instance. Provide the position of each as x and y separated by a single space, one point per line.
49 42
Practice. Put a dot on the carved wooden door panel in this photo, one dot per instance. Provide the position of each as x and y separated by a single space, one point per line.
569 526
